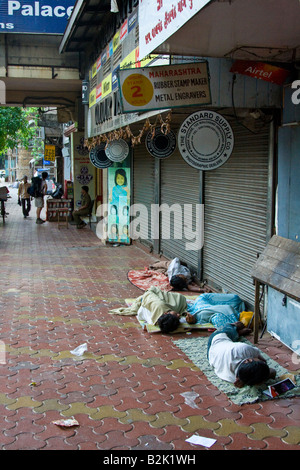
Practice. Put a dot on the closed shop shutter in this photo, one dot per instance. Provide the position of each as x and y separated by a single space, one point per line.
180 184
143 190
235 206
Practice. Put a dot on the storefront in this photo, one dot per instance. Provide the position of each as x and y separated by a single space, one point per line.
215 219
235 199
233 205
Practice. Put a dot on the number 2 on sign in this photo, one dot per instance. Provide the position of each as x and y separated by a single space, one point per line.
137 90
137 93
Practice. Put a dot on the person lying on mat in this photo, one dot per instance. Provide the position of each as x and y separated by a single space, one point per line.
163 309
180 277
234 361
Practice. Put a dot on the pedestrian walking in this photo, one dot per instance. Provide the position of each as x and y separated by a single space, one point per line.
39 198
24 197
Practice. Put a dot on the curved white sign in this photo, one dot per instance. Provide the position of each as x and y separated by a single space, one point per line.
117 150
205 140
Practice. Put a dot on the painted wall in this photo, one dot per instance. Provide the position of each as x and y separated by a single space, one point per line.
284 321
289 182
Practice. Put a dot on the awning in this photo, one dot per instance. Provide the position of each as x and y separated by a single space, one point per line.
89 18
266 30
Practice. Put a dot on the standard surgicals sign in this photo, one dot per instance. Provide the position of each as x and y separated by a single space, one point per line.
164 87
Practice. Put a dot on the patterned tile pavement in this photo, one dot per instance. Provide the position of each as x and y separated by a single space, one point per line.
57 286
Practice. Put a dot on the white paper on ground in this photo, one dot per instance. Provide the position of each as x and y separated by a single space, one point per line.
201 441
80 350
189 398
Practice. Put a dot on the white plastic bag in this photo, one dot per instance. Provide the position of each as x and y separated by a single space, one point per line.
80 350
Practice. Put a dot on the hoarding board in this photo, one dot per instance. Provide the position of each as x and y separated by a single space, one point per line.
158 22
164 87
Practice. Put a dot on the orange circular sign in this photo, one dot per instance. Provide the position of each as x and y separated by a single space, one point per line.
137 90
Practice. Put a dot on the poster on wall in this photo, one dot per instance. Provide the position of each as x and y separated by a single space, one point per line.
119 202
205 140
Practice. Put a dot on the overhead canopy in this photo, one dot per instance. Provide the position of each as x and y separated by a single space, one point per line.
89 18
265 30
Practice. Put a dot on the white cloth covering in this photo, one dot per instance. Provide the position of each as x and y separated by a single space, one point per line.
225 356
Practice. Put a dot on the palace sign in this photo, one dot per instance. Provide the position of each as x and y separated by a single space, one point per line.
27 16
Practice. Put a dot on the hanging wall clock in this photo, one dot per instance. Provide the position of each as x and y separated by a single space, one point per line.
160 145
117 150
99 158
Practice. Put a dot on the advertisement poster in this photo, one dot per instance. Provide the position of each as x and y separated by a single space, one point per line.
119 202
261 71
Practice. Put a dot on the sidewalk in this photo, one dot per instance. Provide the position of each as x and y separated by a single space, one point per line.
57 287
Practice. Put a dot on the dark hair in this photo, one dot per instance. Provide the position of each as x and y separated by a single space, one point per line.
168 323
85 188
253 373
178 283
121 172
44 175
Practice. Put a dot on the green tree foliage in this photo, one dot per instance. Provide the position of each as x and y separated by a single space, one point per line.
15 128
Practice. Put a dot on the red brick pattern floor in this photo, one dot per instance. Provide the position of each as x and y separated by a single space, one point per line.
57 286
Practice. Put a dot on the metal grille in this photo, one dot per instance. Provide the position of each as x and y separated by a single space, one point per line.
180 185
235 205
144 187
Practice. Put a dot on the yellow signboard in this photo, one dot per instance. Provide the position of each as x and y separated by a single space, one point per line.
116 40
50 153
129 61
92 98
106 85
94 69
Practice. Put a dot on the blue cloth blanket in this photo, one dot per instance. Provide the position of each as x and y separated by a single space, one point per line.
217 309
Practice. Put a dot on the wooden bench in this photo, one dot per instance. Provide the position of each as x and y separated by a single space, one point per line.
278 267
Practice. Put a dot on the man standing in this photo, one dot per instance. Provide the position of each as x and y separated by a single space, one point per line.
39 198
84 208
24 197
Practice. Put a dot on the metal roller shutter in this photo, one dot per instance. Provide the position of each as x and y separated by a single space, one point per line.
235 207
144 187
180 184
